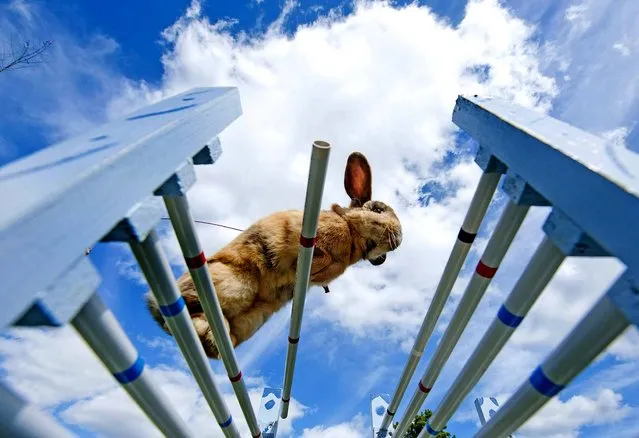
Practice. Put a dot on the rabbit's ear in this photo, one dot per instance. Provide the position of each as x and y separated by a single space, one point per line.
358 179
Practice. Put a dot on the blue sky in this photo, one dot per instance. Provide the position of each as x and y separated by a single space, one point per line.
577 64
140 52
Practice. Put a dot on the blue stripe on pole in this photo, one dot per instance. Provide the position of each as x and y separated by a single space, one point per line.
430 430
227 423
508 318
131 373
543 384
173 309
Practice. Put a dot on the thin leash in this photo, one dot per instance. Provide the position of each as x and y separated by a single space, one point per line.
210 223
88 250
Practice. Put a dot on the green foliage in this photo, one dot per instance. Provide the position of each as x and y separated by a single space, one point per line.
418 424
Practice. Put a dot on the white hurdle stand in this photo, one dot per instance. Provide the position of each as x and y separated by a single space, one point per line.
269 414
104 186
593 189
379 407
486 408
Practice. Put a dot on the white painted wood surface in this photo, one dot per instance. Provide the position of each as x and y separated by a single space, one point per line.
591 180
65 197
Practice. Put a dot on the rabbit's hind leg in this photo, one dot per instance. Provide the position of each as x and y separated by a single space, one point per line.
240 328
205 333
235 293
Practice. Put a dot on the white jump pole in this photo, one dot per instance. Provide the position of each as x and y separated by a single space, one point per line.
312 206
474 216
540 270
180 215
509 223
158 273
101 330
601 325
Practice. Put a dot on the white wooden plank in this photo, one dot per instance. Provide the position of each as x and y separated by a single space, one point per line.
594 183
62 199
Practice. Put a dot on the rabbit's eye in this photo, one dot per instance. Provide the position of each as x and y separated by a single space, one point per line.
378 209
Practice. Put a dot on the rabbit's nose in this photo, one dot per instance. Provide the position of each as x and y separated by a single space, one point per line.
378 261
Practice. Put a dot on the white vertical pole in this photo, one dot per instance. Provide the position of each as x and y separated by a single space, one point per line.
602 325
102 332
540 270
498 245
475 214
312 206
158 273
19 419
180 215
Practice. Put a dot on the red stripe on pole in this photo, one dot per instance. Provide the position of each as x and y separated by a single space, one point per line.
485 270
196 262
307 242
259 434
423 389
236 378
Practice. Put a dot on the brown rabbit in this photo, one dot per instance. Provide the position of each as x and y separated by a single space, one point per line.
254 274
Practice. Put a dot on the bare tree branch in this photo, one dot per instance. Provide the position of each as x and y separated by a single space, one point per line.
26 56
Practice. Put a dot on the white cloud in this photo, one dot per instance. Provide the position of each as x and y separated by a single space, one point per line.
126 419
559 419
82 392
622 48
355 428
611 31
22 8
617 137
35 366
577 16
616 377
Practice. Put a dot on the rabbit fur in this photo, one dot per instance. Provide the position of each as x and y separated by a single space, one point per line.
254 274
